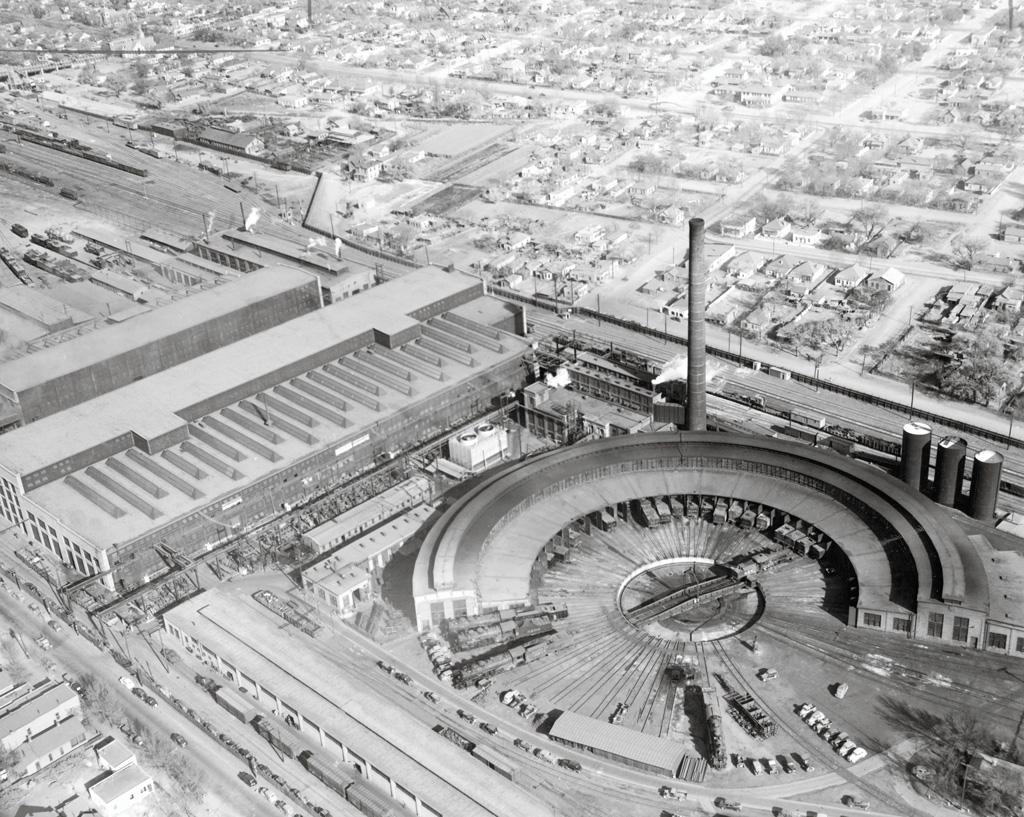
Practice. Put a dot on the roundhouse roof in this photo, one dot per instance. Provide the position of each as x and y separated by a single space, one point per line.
903 547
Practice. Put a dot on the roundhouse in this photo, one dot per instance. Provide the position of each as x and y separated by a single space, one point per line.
917 573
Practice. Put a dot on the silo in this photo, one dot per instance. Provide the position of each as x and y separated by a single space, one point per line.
950 459
988 468
916 457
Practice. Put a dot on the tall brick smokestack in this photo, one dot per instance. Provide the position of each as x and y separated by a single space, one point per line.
696 377
1009 22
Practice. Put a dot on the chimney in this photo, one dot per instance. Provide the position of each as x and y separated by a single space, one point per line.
696 397
1009 24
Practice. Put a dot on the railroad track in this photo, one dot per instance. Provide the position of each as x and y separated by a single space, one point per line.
658 354
827 758
809 639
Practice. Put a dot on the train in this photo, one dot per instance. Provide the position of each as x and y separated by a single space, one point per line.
488 666
15 266
25 173
549 610
70 146
335 775
717 756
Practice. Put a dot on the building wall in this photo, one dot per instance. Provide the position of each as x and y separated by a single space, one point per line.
133 364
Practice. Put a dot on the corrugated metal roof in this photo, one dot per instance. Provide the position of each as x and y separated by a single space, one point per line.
618 740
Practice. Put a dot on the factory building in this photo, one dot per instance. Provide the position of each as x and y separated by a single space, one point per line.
71 373
346 720
173 464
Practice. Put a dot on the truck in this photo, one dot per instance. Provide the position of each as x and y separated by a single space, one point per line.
841 690
235 704
545 755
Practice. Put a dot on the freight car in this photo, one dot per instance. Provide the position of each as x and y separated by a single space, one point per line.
344 782
277 735
73 148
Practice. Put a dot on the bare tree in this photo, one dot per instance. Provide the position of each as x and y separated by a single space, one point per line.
967 248
872 219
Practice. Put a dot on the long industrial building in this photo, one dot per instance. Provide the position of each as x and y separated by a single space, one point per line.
194 454
918 573
73 372
346 717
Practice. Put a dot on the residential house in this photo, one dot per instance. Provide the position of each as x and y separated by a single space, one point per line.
1014 233
1010 299
642 189
782 266
982 187
851 277
723 313
777 228
757 321
806 236
993 262
876 141
910 146
888 281
738 227
672 215
762 96
881 246
744 261
992 168
807 274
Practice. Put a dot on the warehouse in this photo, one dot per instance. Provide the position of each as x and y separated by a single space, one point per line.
347 718
617 743
192 455
68 374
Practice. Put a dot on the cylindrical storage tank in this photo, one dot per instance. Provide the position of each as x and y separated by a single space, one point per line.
916 457
950 459
988 468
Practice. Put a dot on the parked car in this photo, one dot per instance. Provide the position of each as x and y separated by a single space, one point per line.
151 701
469 717
54 625
248 779
179 739
139 692
430 696
489 728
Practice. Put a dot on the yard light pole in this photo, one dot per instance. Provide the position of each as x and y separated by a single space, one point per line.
963 787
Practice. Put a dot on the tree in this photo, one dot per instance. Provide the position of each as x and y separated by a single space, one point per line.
649 163
876 301
708 116
976 370
117 84
766 209
834 333
774 45
806 211
967 248
871 219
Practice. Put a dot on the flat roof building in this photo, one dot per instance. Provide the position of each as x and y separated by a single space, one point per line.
50 745
647 752
190 455
70 373
122 790
346 719
34 711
